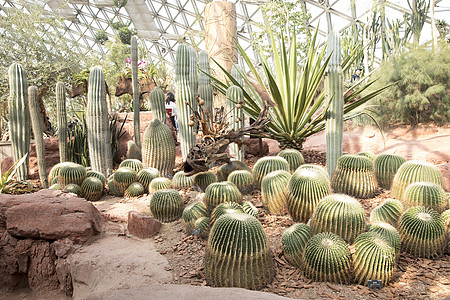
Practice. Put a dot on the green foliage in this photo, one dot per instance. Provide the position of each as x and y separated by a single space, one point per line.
7 179
116 133
78 149
124 31
101 36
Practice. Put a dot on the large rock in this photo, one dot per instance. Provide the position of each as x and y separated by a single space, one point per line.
141 226
254 148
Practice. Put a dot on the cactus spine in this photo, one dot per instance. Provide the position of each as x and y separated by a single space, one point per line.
62 120
234 96
204 82
157 105
19 117
36 122
334 94
99 140
136 94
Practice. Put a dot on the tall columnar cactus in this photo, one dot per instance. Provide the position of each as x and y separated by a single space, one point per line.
243 180
274 191
268 164
225 208
166 205
204 82
61 116
193 212
425 194
97 123
122 179
160 183
236 112
136 94
158 148
146 175
71 173
374 258
19 117
389 211
414 171
341 215
36 122
203 179
220 192
193 74
238 253
388 232
135 164
386 165
293 241
92 188
181 181
293 157
236 75
157 104
334 93
225 170
326 257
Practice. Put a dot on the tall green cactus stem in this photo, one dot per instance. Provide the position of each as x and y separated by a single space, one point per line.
146 175
36 122
293 157
446 218
181 181
274 191
389 211
386 165
243 179
158 105
159 183
268 164
19 117
220 192
234 96
166 205
203 179
225 208
135 164
133 151
236 75
425 194
334 93
97 123
193 74
184 94
136 94
158 148
388 232
193 212
92 188
61 116
293 241
204 82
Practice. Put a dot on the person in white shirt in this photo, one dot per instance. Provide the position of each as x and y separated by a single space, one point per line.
171 109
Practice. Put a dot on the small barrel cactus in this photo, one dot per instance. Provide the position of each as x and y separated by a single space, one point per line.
266 165
386 165
54 172
425 194
293 157
369 155
374 257
157 104
317 168
414 171
220 192
123 177
92 188
225 208
133 151
73 188
203 179
181 181
354 176
96 175
274 188
201 227
422 231
132 163
446 218
243 179
166 205
146 175
193 212
71 173
388 232
341 215
225 170
326 257
238 245
250 209
55 187
112 188
134 190
389 211
293 242
159 183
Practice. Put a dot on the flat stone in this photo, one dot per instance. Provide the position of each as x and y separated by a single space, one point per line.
141 226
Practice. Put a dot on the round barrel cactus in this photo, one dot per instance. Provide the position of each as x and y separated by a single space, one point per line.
225 208
160 183
389 211
306 188
374 258
96 175
326 257
191 213
386 165
293 241
266 165
293 157
135 164
123 177
317 168
339 214
243 179
274 191
146 175
238 253
54 172
250 209
92 188
425 194
71 173
112 188
73 188
225 170
133 151
369 155
55 187
201 227
181 181
414 171
134 190
166 205
446 218
203 179
388 232
354 176
220 192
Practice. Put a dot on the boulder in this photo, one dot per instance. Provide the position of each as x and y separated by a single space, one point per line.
253 147
141 226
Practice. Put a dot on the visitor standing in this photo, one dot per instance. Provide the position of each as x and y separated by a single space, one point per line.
356 76
171 109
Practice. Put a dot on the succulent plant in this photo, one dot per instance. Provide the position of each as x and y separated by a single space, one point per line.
446 218
388 232
132 163
369 155
157 104
326 257
354 176
159 183
293 157
181 181
201 227
203 179
123 177
55 187
166 205
92 188
317 168
374 257
73 188
293 242
425 194
306 188
61 117
225 170
243 179
220 192
204 82
422 231
225 208
249 209
266 165
389 211
193 212
414 171
386 165
236 116
133 151
238 253
339 214
146 175
96 175
136 94
112 188
54 171
274 191
71 173
134 190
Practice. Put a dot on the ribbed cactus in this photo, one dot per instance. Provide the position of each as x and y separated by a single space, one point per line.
446 218
112 188
341 215
250 209
133 151
181 181
135 164
193 74
225 208
36 122
293 241
203 179
238 253
326 257
243 180
389 211
92 188
183 94
158 148
317 168
134 190
236 75
386 165
55 187
414 171
61 117
97 123
54 172
19 117
274 188
136 93
422 231
236 117
354 175
159 183
369 155
388 232
71 173
293 157
425 194
166 205
158 105
122 178
225 170
146 175
220 192
55 180
201 227
306 188
204 82
268 164
73 188
374 258
193 212
96 175
334 85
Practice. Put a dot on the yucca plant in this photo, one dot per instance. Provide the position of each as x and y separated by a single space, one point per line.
191 213
425 194
389 211
293 241
7 179
166 205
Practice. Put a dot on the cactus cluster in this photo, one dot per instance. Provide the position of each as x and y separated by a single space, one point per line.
425 194
203 179
192 213
159 183
134 190
389 211
166 205
243 179
274 187
293 242
293 157
71 173
266 165
92 188
181 181
386 165
122 179
220 192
